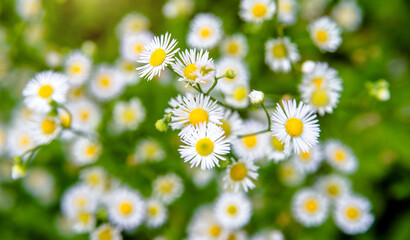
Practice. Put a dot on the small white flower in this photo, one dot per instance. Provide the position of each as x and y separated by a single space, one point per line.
325 34
309 162
235 46
333 186
340 156
95 178
309 207
107 83
205 31
40 183
319 75
78 198
83 222
287 11
231 124
44 88
149 150
85 114
177 8
132 45
257 11
28 9
348 15
45 128
106 232
168 188
237 96
289 174
276 150
18 171
251 147
241 175
85 151
257 97
205 226
77 67
322 100
128 115
233 210
156 214
128 70
20 139
240 70
280 53
132 23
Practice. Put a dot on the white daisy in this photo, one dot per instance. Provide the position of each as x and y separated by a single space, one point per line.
238 96
76 93
77 67
106 232
201 178
106 83
168 188
83 222
195 109
241 175
45 128
156 214
333 186
128 115
205 145
276 150
320 75
231 124
235 46
289 174
40 183
251 147
204 225
348 15
132 45
19 139
340 156
85 114
287 11
296 126
205 31
237 235
195 67
95 178
149 150
280 53
84 151
313 8
240 69
268 234
309 207
78 198
325 34
257 11
126 209
45 87
128 71
132 23
156 56
177 8
321 100
28 9
352 214
309 161
233 210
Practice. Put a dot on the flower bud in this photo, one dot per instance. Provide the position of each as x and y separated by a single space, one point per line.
231 74
18 171
257 97
161 125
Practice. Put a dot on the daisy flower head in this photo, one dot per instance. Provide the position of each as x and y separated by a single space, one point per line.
85 151
231 124
204 225
333 186
280 53
86 115
251 147
192 110
241 175
233 210
83 222
149 150
325 34
312 9
19 139
77 67
237 235
309 207
309 162
45 87
290 175
28 9
240 70
287 11
340 156
106 232
194 66
205 31
168 188
45 128
276 150
177 8
40 183
156 214
133 45
106 83
132 23
268 234
296 126
126 208
205 145
257 11
348 15
238 96
235 46
95 178
352 214
128 115
157 55
78 198
128 71
321 100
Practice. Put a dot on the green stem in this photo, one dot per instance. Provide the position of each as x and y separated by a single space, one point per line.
279 26
262 131
213 86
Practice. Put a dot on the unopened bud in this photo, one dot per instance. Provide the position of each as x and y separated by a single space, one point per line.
257 97
18 171
161 125
231 74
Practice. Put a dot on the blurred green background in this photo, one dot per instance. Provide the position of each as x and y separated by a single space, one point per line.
378 132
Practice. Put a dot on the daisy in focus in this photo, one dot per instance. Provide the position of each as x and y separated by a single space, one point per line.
280 53
77 67
235 46
325 34
168 188
241 175
233 210
128 115
205 145
309 207
340 156
156 56
205 31
44 88
295 126
257 11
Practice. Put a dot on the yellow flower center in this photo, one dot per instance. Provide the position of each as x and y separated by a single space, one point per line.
204 147
233 48
138 48
340 155
205 32
84 115
189 70
279 50
333 190
128 67
105 81
48 126
197 116
305 156
215 230
238 172
319 98
232 237
232 210
321 36
250 141
93 180
166 187
91 150
125 208
259 10
311 205
105 234
24 141
45 91
128 115
226 127
240 93
84 217
81 202
76 69
65 119
318 81
285 6
294 127
152 211
277 144
157 57
352 213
